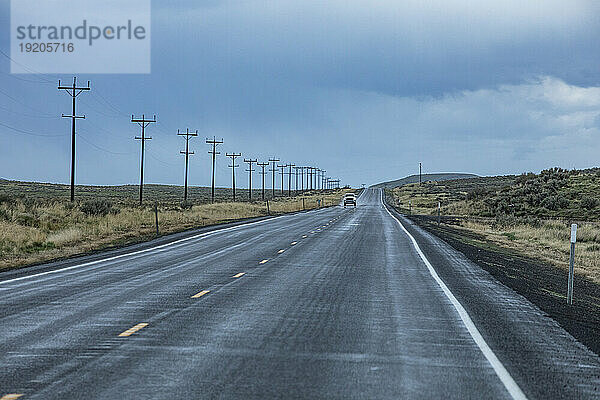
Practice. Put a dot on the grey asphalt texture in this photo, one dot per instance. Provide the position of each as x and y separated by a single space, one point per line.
333 304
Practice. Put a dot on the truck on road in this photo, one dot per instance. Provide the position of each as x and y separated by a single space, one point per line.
349 199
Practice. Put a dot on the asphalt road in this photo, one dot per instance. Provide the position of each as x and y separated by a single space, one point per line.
335 303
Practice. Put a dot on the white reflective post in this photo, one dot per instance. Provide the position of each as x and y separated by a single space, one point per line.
572 264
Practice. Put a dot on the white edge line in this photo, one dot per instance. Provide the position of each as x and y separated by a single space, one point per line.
509 383
87 264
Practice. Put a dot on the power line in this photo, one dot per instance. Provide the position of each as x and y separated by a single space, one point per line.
37 82
6 109
27 68
110 104
82 137
25 104
28 132
149 153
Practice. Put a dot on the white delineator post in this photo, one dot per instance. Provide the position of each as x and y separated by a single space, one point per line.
572 264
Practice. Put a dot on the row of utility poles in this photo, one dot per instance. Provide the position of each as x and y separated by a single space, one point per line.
315 177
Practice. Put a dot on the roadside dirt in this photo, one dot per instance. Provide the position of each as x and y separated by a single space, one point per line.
542 284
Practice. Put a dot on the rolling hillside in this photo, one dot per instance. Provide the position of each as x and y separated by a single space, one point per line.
426 177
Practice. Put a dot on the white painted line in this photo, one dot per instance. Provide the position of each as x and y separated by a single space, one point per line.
509 383
133 253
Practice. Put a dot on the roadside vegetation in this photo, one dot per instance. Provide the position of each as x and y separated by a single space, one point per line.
530 213
34 228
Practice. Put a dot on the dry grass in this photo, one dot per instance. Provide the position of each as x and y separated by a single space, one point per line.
549 242
33 233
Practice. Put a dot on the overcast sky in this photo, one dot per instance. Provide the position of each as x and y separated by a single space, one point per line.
362 89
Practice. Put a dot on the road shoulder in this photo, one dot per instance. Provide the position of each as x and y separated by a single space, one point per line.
511 324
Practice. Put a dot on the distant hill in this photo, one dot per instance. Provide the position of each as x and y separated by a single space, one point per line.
425 177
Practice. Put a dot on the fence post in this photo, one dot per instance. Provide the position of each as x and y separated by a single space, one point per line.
572 264
268 210
303 207
156 217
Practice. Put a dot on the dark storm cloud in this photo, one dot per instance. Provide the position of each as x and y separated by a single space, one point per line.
363 89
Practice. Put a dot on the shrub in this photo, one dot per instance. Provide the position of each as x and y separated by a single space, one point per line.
476 193
6 199
555 202
589 203
186 205
25 219
97 207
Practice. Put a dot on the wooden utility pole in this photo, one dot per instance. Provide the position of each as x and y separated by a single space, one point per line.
143 122
302 177
317 178
296 171
187 135
290 179
233 166
250 171
73 91
283 167
274 171
214 142
262 165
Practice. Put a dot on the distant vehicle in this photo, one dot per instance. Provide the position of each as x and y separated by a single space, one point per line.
349 199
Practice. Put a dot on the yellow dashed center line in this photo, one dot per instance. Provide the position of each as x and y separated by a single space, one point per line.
239 275
11 396
131 331
280 251
264 262
294 243
202 293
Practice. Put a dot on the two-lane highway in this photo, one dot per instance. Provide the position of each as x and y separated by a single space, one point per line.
334 303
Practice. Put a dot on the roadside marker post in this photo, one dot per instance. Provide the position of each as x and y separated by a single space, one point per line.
572 263
156 218
439 211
